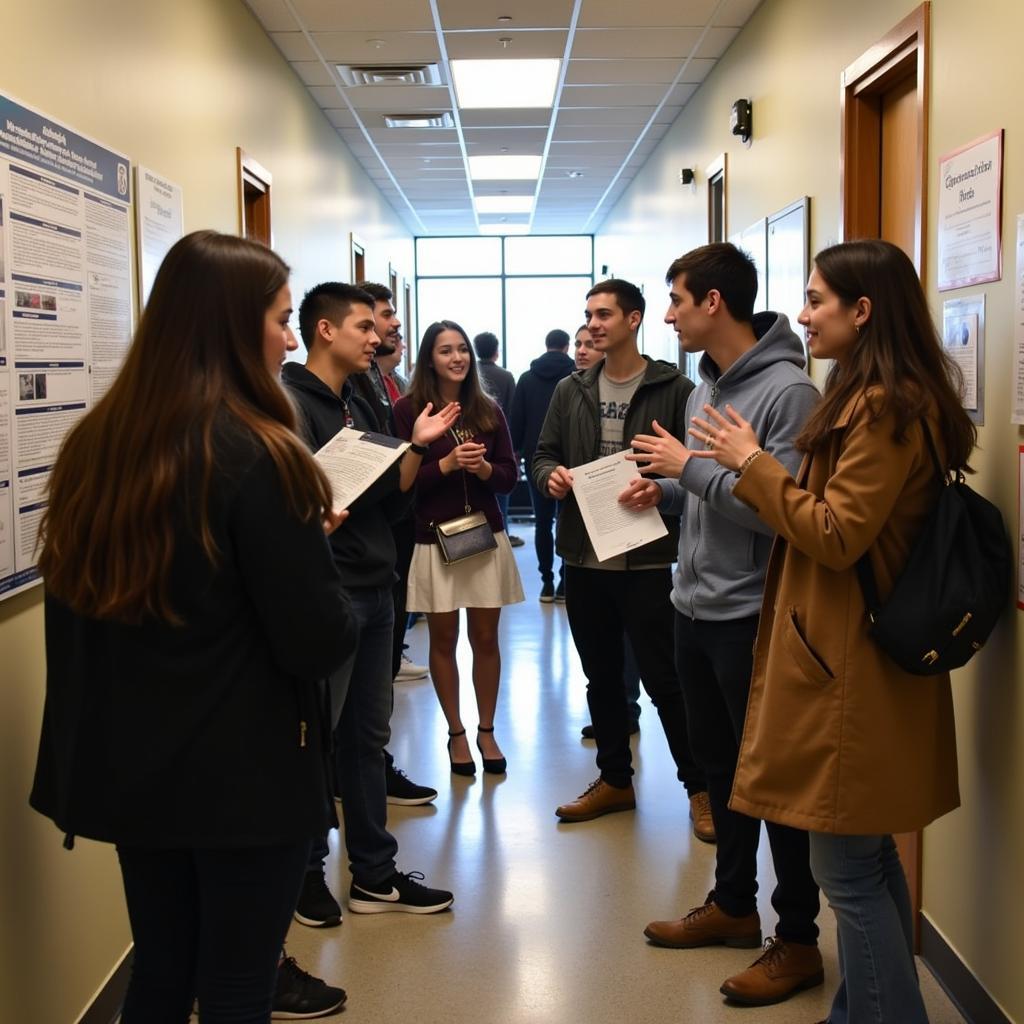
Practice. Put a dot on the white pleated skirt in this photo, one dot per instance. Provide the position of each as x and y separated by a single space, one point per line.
490 580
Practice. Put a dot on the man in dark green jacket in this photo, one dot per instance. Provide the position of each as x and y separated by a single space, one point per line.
592 414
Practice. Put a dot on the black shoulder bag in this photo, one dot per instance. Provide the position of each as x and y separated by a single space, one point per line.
953 589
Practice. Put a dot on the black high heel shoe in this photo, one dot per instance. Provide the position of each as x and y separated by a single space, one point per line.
493 765
461 767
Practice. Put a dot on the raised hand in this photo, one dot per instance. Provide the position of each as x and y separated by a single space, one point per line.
661 454
727 441
430 425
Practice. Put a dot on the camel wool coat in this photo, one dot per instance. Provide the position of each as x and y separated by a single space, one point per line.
837 737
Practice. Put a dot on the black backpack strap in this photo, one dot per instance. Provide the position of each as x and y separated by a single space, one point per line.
865 574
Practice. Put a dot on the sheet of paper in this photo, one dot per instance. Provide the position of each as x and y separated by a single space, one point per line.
613 529
354 459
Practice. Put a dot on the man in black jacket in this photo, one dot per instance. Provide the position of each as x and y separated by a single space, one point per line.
337 326
593 414
529 407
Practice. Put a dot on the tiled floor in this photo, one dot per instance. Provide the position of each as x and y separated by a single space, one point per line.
548 918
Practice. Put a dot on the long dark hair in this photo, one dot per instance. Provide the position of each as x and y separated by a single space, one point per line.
898 354
109 530
479 411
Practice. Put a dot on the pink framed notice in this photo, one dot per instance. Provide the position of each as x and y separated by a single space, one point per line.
970 213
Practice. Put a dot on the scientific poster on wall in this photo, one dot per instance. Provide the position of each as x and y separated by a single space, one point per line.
65 321
159 221
1020 527
963 336
1017 414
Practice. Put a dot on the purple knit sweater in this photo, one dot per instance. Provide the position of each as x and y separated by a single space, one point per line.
440 497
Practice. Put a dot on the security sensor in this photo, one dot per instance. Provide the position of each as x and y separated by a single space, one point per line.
686 175
740 121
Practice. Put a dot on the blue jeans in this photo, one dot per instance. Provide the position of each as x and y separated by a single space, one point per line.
864 882
361 689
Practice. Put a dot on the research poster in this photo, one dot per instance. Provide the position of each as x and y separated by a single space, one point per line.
159 221
65 307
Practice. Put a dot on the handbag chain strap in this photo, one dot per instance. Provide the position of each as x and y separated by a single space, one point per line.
465 487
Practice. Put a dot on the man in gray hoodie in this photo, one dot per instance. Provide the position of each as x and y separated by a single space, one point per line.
756 365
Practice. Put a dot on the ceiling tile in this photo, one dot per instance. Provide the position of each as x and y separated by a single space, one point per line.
509 118
330 15
398 47
612 95
614 13
312 72
457 14
632 43
341 118
737 12
327 96
716 42
611 72
576 116
486 45
399 99
515 140
596 133
293 45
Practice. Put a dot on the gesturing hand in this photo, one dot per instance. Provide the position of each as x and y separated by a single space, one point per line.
641 495
727 441
661 454
430 425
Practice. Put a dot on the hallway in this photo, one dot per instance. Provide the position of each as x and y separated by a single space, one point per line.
548 918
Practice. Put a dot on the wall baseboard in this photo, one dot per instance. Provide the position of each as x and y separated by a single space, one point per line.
962 987
106 1007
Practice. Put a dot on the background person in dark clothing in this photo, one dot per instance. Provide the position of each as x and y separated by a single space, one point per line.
501 386
529 407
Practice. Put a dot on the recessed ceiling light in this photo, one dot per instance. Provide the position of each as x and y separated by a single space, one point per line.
511 167
492 84
504 229
574 174
504 19
503 204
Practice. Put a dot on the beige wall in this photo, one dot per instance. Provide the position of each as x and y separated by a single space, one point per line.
177 88
788 61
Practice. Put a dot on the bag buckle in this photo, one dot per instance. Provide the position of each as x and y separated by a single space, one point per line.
931 657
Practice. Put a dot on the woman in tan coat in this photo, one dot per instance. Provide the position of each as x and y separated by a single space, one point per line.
838 740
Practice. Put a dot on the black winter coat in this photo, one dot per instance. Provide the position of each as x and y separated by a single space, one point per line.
212 733
532 398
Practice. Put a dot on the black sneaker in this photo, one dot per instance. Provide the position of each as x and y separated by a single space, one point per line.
547 593
399 893
587 732
402 790
317 908
300 996
560 591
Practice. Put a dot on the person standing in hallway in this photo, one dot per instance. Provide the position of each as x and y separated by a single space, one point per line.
585 356
380 391
838 739
757 363
529 407
501 386
192 608
461 472
338 329
593 414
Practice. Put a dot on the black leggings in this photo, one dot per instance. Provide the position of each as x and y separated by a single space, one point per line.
208 924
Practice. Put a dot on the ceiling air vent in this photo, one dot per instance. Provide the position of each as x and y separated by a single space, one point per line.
389 74
422 120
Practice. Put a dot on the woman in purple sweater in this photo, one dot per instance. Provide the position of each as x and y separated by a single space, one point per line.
472 463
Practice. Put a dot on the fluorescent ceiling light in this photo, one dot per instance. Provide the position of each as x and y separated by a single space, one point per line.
504 229
503 204
507 168
492 84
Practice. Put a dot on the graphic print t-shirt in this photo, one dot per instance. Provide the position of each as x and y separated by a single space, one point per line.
613 398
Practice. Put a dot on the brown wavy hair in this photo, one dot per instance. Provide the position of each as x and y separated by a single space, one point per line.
109 531
898 354
479 411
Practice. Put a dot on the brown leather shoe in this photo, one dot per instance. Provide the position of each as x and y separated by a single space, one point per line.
599 798
783 969
707 925
700 815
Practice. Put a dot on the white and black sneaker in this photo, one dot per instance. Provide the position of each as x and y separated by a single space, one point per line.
300 996
399 893
403 791
317 908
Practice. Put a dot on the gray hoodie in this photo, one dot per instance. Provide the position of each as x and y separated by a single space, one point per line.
723 545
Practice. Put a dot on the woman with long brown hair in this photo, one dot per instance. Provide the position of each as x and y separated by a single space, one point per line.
462 471
838 739
191 607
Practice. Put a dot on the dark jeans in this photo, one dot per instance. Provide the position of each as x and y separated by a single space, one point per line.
362 688
631 679
715 661
545 512
404 533
208 924
601 606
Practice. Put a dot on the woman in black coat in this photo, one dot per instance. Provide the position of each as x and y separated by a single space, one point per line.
191 608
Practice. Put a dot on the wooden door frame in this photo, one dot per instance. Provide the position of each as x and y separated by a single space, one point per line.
253 175
903 51
906 48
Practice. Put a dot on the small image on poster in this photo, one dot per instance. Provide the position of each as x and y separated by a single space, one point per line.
963 336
